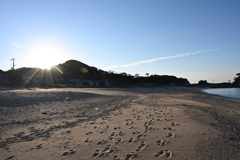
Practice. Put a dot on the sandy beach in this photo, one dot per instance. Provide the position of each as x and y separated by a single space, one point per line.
118 124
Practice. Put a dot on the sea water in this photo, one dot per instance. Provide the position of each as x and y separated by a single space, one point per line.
225 92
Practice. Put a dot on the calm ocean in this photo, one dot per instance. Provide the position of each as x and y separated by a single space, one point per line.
225 92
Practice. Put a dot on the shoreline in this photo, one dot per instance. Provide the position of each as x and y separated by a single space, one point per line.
118 123
221 93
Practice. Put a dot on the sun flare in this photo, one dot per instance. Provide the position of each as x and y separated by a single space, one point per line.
45 56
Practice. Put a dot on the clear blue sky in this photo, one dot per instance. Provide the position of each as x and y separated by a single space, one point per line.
125 36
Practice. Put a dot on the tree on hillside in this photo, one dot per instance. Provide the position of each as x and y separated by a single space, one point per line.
123 74
203 82
136 75
147 76
237 80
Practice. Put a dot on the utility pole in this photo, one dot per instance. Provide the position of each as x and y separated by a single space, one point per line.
13 65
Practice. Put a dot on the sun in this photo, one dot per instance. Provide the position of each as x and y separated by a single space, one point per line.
44 56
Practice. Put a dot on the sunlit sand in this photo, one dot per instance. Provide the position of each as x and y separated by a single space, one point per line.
120 124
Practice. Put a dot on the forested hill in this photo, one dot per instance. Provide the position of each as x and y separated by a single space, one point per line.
75 69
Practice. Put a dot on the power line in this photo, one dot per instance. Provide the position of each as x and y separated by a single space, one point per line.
4 57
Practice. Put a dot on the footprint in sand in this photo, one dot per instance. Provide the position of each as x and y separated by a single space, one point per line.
69 131
130 156
141 147
131 140
150 115
113 150
162 142
165 153
132 127
130 123
113 134
105 152
170 135
135 132
70 151
39 146
96 154
121 133
89 133
174 124
101 142
115 128
148 129
136 116
139 137
118 140
10 157
147 123
115 157
168 129
87 140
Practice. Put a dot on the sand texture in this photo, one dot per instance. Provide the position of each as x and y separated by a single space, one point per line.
118 124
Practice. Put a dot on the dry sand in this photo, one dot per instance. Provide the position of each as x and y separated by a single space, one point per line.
118 124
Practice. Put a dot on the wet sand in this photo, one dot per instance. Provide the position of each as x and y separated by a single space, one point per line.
118 124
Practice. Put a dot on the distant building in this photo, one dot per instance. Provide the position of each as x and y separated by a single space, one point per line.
30 79
104 83
3 77
186 84
88 83
148 84
59 80
36 80
74 81
46 81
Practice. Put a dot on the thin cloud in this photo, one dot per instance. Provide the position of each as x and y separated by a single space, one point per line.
159 58
17 45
